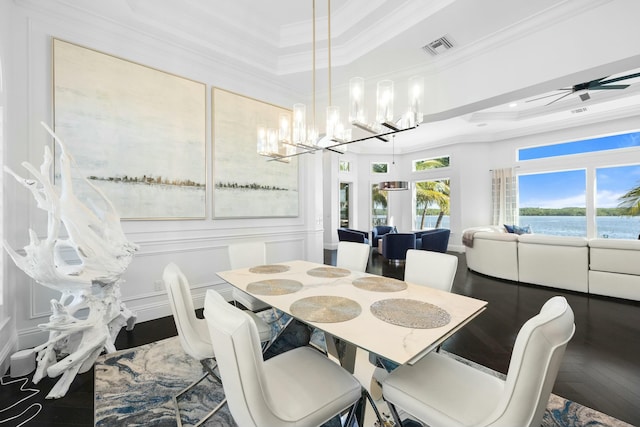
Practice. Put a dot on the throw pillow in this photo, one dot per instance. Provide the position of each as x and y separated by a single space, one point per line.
509 228
522 230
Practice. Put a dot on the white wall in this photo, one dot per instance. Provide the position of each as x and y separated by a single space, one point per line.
7 308
199 247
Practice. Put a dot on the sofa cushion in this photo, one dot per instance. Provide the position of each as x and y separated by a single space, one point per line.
633 245
614 285
544 239
494 254
556 261
491 235
615 256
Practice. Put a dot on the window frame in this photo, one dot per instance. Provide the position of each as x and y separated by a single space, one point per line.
589 161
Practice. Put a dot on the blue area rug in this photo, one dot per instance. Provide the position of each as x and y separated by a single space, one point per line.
134 388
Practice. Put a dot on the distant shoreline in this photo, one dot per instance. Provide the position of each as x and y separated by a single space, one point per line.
573 212
249 186
149 180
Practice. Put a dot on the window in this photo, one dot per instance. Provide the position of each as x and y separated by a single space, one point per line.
379 206
578 147
345 166
434 163
600 199
554 203
617 197
432 204
379 167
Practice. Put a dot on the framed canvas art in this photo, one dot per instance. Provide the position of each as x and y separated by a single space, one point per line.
137 133
248 185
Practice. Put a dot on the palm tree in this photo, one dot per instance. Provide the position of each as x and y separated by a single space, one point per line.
380 168
378 199
430 193
427 164
631 201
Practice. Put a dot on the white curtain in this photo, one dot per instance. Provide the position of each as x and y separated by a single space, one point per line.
504 209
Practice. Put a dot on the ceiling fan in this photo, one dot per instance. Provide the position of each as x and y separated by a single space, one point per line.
603 83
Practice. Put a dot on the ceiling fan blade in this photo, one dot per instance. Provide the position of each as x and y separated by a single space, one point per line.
556 100
547 96
617 79
610 87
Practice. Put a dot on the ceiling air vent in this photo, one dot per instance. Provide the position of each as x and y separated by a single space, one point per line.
438 46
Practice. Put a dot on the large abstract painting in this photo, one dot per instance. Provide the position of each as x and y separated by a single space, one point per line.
136 133
246 184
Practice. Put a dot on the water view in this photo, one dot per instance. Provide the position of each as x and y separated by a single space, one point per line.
611 227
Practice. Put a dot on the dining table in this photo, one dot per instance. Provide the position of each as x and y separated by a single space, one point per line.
397 320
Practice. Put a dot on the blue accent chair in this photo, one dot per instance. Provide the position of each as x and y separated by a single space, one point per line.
396 245
436 240
379 231
351 235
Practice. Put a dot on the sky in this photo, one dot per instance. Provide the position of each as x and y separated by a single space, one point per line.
568 188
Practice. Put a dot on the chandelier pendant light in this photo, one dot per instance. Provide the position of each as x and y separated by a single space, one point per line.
294 137
393 185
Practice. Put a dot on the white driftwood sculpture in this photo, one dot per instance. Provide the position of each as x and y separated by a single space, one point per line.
89 314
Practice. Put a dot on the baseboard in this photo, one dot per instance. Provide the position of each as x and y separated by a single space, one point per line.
5 354
33 337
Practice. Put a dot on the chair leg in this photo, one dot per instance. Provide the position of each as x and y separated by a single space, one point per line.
373 405
394 414
362 402
211 369
283 327
351 416
208 372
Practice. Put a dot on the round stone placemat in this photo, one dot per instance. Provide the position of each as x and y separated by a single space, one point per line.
269 269
410 313
325 309
330 272
380 284
274 287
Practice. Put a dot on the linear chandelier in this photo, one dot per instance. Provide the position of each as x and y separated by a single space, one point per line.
294 137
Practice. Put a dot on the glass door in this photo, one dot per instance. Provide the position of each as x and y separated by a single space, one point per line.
345 204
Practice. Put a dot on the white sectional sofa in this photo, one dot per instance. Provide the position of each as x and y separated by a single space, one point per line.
556 261
614 268
609 267
494 253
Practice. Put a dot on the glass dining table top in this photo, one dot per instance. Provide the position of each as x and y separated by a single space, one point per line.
397 320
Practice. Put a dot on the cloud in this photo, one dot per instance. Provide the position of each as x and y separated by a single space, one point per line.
577 200
607 199
604 199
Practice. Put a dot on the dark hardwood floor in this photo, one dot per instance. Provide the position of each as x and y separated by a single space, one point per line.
600 369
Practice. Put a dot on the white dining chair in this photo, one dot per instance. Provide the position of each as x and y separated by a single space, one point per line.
353 256
441 391
424 268
433 269
300 387
244 255
193 332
